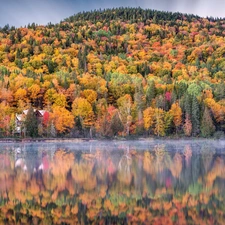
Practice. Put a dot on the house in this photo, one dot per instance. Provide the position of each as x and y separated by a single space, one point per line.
20 118
19 123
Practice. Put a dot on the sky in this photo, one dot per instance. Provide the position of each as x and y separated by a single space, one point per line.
21 12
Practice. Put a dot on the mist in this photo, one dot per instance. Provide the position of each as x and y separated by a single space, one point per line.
21 12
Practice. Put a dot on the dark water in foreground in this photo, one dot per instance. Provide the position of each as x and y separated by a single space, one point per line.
113 183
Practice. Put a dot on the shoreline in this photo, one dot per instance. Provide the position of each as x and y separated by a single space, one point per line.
29 140
80 140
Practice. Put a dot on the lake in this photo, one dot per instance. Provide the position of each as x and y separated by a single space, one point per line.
136 182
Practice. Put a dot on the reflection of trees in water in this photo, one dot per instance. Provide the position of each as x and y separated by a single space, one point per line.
207 153
124 168
187 155
157 161
176 165
217 171
159 151
117 186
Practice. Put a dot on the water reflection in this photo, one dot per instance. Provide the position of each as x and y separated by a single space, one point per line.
112 183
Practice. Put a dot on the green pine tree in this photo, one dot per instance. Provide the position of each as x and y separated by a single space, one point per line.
207 126
151 92
31 123
195 116
187 104
220 91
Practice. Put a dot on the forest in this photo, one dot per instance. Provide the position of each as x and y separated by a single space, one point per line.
115 72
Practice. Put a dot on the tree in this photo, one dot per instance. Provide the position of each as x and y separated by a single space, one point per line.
116 124
220 91
83 109
52 130
34 91
159 125
187 104
60 100
168 119
139 99
195 116
46 119
63 120
217 109
187 125
150 93
104 117
12 124
90 95
124 104
176 112
207 126
20 94
31 123
40 129
194 89
148 117
49 96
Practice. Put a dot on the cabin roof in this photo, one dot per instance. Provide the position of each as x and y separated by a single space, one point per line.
42 112
20 117
26 111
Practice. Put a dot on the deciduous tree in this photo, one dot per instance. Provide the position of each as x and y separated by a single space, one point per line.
148 117
187 127
176 112
83 109
63 120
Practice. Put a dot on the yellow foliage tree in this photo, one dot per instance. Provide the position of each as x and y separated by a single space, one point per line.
49 96
82 108
159 129
34 91
62 119
60 100
148 117
217 109
176 112
20 94
90 95
125 104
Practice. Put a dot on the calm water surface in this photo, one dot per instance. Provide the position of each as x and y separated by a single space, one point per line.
176 182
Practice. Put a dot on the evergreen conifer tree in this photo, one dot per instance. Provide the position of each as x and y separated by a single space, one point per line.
207 126
151 92
31 123
195 116
220 91
187 104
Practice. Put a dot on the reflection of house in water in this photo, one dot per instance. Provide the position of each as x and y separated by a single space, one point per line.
20 118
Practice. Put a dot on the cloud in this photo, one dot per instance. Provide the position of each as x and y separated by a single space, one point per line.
198 7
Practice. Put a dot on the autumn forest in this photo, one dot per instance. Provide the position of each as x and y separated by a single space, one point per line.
118 72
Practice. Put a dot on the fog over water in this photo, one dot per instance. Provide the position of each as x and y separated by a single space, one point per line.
139 145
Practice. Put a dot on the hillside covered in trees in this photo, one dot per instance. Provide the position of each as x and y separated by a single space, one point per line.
124 71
